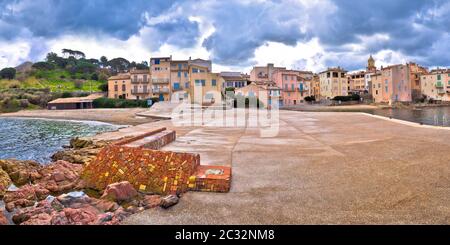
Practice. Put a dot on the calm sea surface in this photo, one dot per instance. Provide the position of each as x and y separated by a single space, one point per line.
37 139
437 116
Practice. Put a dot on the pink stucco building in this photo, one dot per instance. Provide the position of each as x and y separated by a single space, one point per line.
392 84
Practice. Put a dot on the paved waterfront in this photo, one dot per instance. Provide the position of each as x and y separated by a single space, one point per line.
323 168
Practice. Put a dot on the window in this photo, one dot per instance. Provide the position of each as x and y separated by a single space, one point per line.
285 77
194 70
116 87
292 86
186 85
213 82
185 74
439 77
179 66
176 86
157 61
203 83
124 87
198 82
179 74
145 78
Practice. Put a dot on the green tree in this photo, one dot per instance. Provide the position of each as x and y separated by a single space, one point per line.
43 66
104 61
8 73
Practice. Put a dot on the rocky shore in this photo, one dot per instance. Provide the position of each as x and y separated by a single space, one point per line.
54 194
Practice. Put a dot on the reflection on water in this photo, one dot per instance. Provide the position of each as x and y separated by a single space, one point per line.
437 116
35 139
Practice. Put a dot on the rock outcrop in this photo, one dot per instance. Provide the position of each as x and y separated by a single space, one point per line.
5 182
21 172
80 151
120 192
3 219
61 176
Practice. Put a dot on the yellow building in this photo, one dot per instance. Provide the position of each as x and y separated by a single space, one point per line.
179 79
140 85
160 75
119 87
333 82
436 85
205 86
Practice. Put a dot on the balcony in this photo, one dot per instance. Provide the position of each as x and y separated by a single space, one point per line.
160 81
439 85
161 90
441 91
177 88
140 91
139 80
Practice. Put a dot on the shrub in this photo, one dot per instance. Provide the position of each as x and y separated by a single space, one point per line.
8 73
94 77
66 95
103 87
353 97
43 66
118 103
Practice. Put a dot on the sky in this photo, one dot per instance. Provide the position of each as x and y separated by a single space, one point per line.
234 34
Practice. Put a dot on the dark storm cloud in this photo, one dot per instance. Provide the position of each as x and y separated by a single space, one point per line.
51 18
415 28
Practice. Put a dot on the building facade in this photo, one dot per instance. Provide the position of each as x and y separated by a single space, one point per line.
140 85
160 75
119 87
333 82
436 85
263 73
392 84
295 85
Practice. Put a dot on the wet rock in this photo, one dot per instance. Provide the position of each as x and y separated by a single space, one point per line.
169 201
25 196
3 219
21 172
74 199
151 201
78 156
120 192
5 182
79 143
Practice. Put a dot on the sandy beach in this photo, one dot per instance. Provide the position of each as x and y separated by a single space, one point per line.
125 116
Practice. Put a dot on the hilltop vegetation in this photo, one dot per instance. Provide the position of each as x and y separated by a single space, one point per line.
70 75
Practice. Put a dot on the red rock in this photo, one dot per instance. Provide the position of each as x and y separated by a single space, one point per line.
25 196
60 176
151 201
82 216
25 214
3 219
105 205
120 192
39 219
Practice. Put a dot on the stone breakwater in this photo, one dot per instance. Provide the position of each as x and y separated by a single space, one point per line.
99 182
55 194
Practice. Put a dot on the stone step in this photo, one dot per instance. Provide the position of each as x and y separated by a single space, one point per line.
155 141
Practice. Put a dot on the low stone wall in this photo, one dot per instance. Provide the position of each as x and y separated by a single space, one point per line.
147 170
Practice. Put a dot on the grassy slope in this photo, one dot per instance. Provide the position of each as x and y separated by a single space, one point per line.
56 80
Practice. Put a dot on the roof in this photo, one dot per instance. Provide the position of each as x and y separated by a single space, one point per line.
89 98
140 71
120 77
333 69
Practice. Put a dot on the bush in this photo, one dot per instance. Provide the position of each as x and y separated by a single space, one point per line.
43 66
8 73
118 103
310 98
66 95
94 77
353 97
103 87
